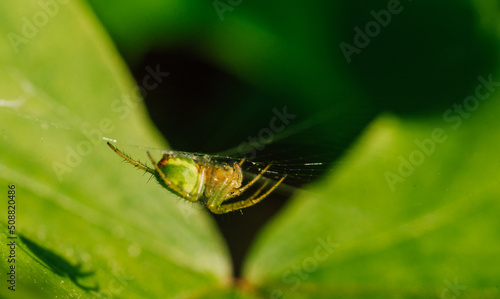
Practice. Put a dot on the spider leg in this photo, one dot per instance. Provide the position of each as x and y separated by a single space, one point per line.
249 201
242 161
130 160
242 189
258 191
215 201
171 186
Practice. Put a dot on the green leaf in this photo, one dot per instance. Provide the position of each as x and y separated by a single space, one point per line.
88 225
411 212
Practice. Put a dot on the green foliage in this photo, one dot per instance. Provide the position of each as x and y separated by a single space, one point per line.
410 212
79 210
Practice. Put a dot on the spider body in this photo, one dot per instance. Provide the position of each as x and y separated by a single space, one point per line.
199 179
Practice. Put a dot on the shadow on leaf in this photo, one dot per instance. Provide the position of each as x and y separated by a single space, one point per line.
60 266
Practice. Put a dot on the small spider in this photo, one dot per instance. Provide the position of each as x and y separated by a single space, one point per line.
196 178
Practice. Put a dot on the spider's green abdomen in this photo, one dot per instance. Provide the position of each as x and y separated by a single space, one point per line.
182 172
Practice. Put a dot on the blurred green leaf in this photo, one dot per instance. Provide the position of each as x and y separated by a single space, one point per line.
363 233
88 220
